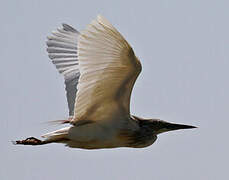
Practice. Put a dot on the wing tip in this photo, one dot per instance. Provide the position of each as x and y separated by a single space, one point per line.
67 27
101 19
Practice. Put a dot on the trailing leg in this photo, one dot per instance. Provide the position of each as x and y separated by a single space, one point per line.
30 141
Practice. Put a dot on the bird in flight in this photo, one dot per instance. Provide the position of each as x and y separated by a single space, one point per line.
100 69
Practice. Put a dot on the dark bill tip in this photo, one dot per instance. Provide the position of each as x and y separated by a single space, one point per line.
171 126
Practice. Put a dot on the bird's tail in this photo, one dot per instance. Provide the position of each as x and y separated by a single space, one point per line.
58 135
65 121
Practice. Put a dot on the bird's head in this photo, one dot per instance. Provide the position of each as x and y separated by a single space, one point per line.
150 128
159 126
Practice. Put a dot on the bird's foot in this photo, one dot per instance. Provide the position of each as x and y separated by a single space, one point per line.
29 141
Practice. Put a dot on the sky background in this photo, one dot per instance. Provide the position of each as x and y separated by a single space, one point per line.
183 46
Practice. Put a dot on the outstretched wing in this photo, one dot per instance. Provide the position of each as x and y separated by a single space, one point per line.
62 50
108 69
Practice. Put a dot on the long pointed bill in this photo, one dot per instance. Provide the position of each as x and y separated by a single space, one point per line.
165 127
171 126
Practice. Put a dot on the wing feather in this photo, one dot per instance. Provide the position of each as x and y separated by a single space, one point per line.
108 69
62 50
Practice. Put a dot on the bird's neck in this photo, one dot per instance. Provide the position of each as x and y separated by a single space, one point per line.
144 136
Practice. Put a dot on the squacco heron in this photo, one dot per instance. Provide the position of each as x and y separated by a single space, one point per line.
100 69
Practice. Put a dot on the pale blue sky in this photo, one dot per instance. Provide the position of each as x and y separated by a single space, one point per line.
184 49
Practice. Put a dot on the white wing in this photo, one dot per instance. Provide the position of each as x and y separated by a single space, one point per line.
108 69
62 50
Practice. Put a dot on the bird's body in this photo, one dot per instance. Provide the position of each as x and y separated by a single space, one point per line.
99 135
103 134
100 69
